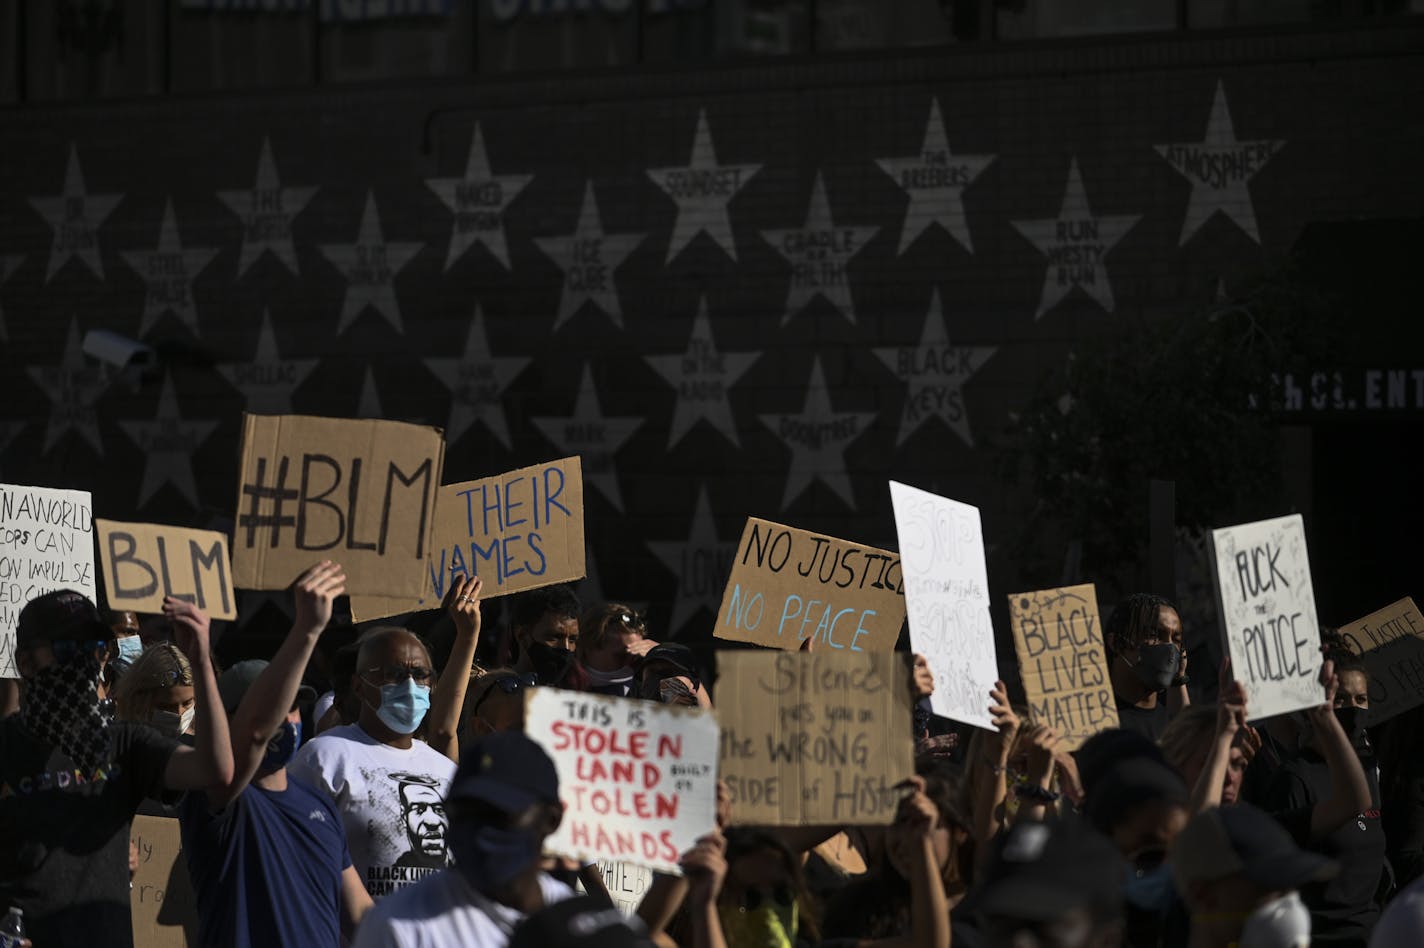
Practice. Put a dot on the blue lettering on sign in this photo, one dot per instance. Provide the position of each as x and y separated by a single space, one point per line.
492 509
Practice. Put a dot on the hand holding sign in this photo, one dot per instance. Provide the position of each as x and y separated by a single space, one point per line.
315 591
190 628
462 605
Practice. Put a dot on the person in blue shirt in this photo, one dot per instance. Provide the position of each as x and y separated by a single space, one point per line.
266 852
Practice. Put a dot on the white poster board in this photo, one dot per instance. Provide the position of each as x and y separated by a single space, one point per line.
947 600
638 779
1267 606
46 543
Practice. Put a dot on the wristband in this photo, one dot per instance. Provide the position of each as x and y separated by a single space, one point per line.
1181 680
1035 793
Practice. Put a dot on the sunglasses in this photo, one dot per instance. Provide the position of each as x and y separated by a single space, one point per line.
66 650
394 674
632 621
509 684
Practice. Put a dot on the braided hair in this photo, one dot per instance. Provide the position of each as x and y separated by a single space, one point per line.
1137 618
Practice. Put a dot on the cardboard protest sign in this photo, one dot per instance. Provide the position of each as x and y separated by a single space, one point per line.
1390 642
46 543
626 883
814 738
947 591
1062 661
1267 606
515 531
638 779
143 562
164 909
358 492
788 585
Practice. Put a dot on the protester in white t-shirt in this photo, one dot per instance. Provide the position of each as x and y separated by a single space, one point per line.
503 804
388 786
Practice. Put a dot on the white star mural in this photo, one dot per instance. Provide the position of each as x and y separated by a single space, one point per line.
818 253
9 263
1220 168
935 180
168 271
594 436
588 258
477 381
478 199
701 565
702 377
702 189
75 216
168 444
1075 243
818 436
267 382
73 387
370 266
934 373
267 210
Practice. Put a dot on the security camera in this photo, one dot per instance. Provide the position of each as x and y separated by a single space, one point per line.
118 351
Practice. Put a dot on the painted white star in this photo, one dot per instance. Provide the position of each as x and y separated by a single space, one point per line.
1075 243
588 258
702 188
370 266
267 210
75 216
701 565
477 381
935 180
818 253
73 388
479 200
1219 168
9 263
168 444
169 270
267 382
934 373
817 437
702 377
593 436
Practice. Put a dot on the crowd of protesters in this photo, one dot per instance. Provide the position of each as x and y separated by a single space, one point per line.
417 812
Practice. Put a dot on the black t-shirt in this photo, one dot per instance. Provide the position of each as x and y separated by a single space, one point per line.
1343 910
1149 722
64 834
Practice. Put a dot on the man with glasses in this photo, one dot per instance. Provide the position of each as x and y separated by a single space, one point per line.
363 766
71 776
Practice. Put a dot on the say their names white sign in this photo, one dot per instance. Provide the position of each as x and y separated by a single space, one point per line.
46 543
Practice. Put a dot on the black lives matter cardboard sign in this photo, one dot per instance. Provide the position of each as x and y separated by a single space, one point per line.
789 585
1062 661
1390 641
144 562
361 493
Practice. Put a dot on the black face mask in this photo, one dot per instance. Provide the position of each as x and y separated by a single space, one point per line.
550 664
1352 721
1157 665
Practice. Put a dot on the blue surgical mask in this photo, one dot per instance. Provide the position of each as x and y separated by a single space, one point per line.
491 858
403 705
130 648
1151 890
282 747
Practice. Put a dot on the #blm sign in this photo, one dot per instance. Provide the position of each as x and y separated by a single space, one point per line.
1391 644
143 562
46 543
1267 607
788 585
947 591
164 908
1062 661
358 492
814 738
638 778
515 531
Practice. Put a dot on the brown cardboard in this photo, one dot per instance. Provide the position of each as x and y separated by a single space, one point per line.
1390 641
775 595
353 505
164 910
1059 641
814 738
143 562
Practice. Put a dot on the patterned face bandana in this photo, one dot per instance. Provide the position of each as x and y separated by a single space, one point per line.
62 708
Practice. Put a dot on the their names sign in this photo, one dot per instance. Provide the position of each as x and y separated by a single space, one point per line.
359 492
1267 606
46 543
947 591
144 562
1062 661
638 778
814 738
1390 642
788 585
